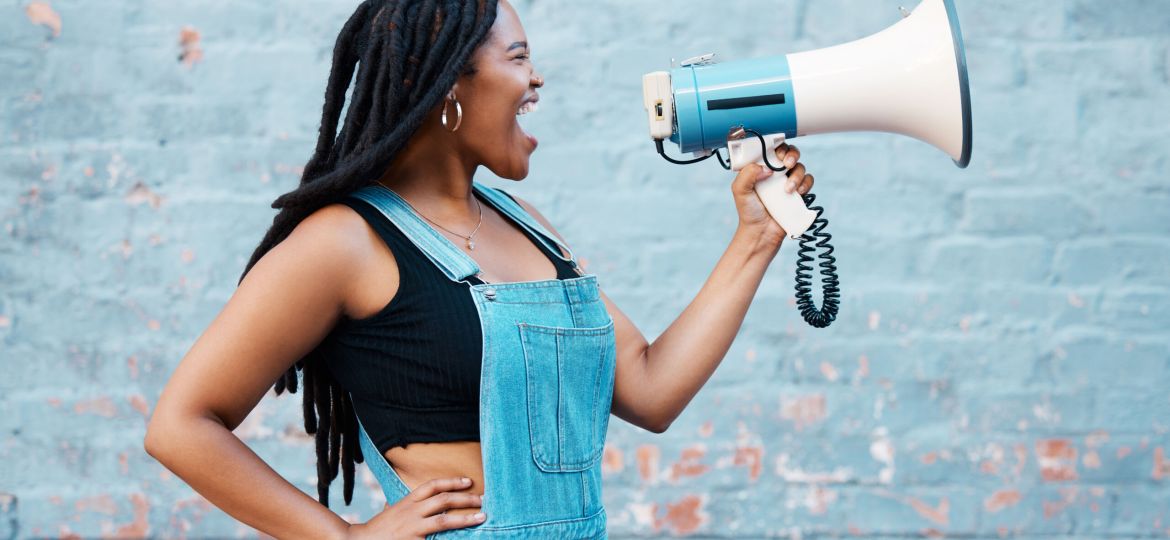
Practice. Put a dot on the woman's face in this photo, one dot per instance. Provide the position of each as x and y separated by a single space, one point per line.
505 80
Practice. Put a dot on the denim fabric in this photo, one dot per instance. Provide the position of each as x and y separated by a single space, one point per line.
546 387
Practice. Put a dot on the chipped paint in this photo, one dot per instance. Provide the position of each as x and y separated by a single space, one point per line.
102 504
940 514
101 406
690 463
140 526
882 450
791 474
683 517
1054 508
862 369
138 402
1058 460
1161 465
140 193
817 499
829 372
648 456
191 52
611 460
42 13
751 457
803 411
1001 499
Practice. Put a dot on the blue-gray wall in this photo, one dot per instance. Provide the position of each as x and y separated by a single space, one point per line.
999 368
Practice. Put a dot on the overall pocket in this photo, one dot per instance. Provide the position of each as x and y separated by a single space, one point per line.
570 375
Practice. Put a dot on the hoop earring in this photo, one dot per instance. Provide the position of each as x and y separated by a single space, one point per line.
458 113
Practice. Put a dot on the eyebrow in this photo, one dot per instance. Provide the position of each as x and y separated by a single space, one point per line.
517 45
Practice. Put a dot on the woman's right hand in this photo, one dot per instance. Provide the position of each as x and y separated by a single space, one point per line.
420 512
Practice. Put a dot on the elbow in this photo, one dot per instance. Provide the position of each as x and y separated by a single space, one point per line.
160 436
152 443
658 425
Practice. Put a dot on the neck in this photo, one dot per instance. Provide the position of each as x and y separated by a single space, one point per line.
435 178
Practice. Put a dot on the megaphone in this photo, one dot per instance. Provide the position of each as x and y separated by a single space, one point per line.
910 78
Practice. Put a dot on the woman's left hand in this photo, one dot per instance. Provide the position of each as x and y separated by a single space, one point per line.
753 216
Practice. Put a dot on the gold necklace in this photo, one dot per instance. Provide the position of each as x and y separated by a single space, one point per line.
470 242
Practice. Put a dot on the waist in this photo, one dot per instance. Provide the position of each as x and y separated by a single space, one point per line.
420 462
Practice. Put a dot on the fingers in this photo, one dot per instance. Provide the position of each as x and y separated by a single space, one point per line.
787 154
436 496
448 500
745 181
806 185
442 522
795 177
431 487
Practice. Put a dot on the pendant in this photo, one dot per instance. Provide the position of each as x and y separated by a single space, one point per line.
470 244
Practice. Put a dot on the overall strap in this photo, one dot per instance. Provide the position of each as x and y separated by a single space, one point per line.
505 204
456 264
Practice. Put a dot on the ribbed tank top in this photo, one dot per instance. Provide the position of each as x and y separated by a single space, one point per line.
413 368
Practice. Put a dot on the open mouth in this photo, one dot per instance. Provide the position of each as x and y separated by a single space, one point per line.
522 119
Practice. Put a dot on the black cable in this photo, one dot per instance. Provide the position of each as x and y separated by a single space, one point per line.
764 151
830 285
722 162
662 152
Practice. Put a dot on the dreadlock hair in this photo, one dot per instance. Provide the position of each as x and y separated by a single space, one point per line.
408 54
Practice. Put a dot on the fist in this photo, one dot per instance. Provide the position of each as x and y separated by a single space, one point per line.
752 214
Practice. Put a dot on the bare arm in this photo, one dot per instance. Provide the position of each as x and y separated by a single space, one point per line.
283 308
655 382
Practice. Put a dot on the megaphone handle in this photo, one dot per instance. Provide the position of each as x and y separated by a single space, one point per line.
788 209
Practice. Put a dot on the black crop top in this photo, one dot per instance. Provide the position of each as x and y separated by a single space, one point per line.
413 368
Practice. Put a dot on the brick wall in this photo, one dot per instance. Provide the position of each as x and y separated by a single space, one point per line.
1000 367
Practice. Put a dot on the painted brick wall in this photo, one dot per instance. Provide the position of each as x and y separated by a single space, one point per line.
1001 365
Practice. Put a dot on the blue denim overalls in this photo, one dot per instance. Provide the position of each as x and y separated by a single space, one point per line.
546 387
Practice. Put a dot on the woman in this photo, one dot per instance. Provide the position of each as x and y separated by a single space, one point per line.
441 326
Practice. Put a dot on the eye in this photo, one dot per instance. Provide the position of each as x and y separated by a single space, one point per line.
522 57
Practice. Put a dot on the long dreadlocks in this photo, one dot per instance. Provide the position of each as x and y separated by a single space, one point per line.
407 54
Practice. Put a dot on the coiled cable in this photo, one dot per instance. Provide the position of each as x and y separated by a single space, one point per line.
813 239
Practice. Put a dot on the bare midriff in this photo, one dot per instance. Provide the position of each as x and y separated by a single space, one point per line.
417 463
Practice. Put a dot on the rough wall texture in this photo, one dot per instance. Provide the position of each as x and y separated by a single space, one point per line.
999 369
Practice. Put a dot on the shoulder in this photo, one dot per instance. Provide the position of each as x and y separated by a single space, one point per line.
335 224
334 236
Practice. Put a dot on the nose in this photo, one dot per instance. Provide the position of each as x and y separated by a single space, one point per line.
537 81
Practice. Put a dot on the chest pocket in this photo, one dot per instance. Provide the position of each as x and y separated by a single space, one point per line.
570 375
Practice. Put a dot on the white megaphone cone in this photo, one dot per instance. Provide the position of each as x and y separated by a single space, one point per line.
910 78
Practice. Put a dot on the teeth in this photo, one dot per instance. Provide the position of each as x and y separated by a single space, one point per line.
527 108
